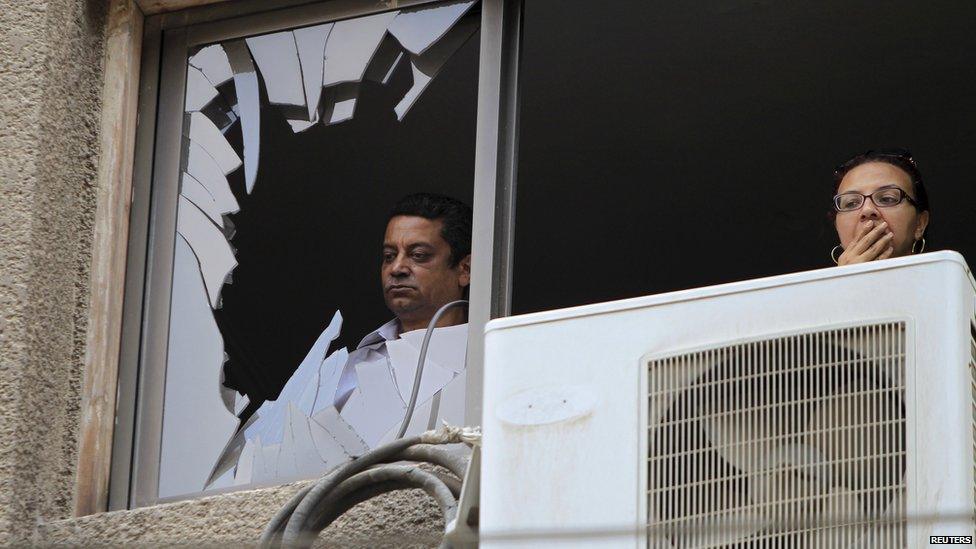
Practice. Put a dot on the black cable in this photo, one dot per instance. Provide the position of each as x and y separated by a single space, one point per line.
401 477
316 506
302 502
437 456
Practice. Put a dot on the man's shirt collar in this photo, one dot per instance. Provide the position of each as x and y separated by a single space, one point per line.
386 332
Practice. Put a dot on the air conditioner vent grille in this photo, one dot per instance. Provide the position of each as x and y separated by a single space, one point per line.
972 389
796 440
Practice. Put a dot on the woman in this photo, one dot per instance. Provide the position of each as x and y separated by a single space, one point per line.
881 209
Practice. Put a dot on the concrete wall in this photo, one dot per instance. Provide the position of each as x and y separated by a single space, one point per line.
50 82
398 519
50 68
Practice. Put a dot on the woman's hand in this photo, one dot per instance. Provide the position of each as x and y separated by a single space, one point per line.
871 241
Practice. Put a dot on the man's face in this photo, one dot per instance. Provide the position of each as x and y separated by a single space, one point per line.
416 273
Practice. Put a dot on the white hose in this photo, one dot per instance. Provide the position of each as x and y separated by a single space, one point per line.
421 362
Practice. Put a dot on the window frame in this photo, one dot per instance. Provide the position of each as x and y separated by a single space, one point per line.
167 38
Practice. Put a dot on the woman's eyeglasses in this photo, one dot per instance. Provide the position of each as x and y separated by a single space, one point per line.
882 198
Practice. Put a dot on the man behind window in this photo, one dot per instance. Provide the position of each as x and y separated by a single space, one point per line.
426 263
336 407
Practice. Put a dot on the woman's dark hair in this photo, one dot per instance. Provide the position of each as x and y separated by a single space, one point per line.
900 158
454 214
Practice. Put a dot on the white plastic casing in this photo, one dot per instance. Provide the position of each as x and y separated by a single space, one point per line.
565 433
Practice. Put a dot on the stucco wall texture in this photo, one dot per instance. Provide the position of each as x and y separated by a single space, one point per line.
50 69
50 85
398 519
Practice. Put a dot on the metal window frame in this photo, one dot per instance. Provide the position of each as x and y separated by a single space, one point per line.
167 38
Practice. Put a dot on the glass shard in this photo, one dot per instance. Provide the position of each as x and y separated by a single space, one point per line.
308 462
199 91
306 401
303 386
242 473
212 62
375 405
203 132
265 461
298 126
330 373
196 424
403 360
213 252
449 407
419 28
311 54
286 468
339 102
425 67
268 424
445 364
204 169
195 192
220 113
277 57
452 401
284 422
224 480
227 395
386 59
240 402
230 456
248 107
351 46
447 347
417 425
300 392
327 446
229 229
339 439
257 464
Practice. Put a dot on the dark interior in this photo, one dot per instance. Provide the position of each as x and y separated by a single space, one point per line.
670 145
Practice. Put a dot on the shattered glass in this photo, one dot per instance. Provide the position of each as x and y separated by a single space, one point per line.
193 396
248 107
310 42
276 56
199 90
195 192
205 133
351 46
212 62
419 28
337 404
202 167
427 64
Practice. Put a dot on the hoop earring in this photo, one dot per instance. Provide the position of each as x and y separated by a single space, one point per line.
922 249
833 252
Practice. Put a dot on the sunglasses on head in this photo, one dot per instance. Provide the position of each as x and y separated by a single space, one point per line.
904 155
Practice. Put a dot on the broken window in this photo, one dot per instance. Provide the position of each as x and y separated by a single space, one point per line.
295 146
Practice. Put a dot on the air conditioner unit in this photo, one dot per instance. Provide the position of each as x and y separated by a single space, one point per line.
830 408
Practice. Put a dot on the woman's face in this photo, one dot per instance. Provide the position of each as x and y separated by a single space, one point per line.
905 222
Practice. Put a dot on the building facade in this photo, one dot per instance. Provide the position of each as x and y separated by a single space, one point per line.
638 134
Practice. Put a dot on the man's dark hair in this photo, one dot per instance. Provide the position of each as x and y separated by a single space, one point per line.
453 214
